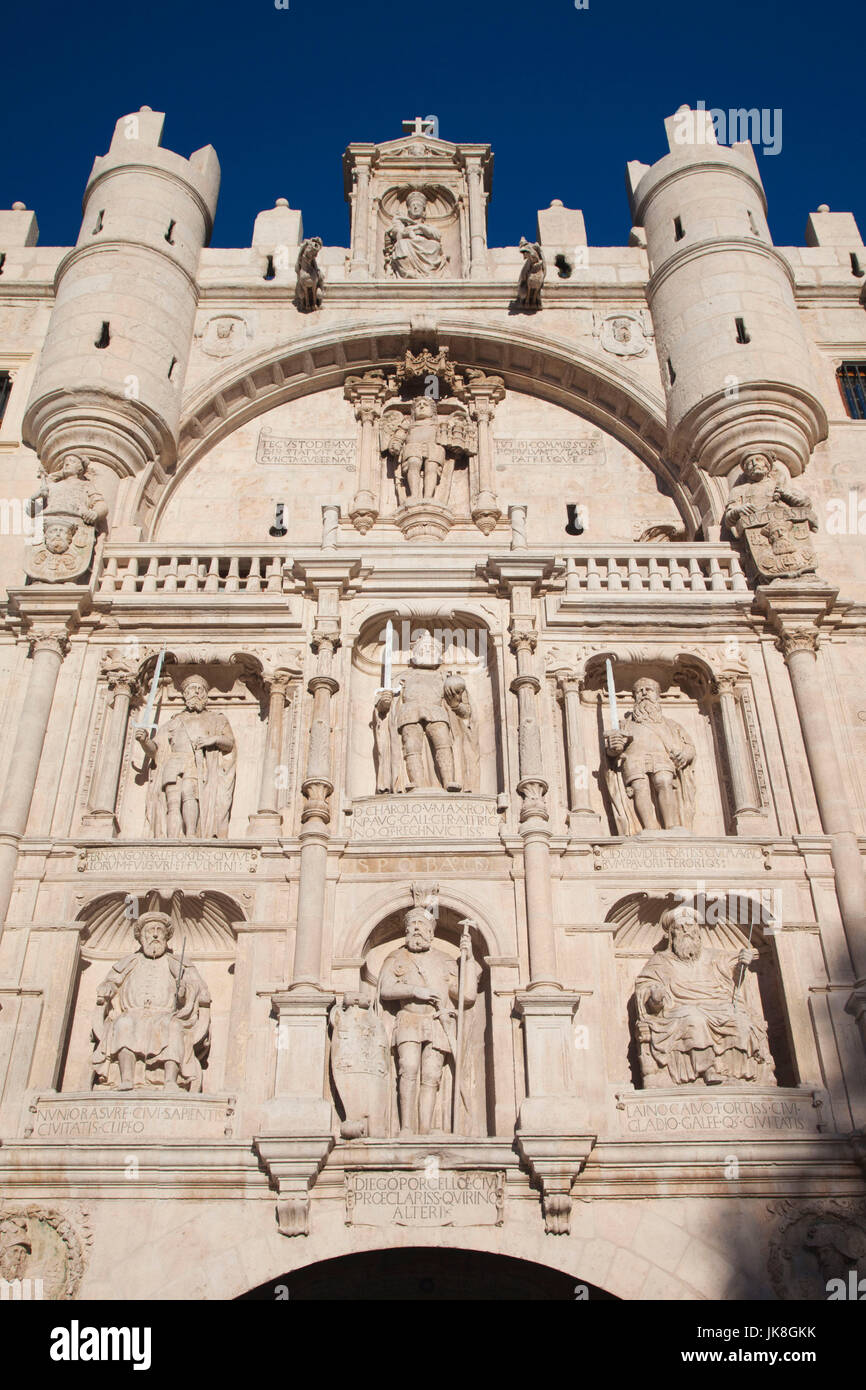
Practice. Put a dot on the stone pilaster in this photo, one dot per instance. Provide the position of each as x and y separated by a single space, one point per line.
796 612
48 614
746 803
581 814
366 394
267 820
101 819
484 394
359 267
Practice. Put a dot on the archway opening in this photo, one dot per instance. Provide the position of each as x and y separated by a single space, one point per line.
416 1274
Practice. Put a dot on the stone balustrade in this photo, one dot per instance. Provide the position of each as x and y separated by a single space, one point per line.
152 569
668 569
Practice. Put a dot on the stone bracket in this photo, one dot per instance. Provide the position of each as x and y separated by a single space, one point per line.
554 1162
292 1165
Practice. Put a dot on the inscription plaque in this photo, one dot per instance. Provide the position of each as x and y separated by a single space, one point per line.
671 1113
445 817
453 1197
130 1116
280 449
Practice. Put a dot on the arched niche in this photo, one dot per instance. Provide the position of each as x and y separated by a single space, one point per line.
468 652
477 1110
588 387
688 699
732 919
204 928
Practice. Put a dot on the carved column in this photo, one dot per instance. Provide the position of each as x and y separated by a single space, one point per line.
316 787
101 818
484 394
477 233
267 819
580 809
736 748
796 614
51 613
366 394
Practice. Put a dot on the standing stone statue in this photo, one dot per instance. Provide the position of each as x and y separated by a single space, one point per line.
424 983
308 287
424 439
773 519
532 275
72 508
413 246
193 780
152 1019
434 725
650 756
696 1019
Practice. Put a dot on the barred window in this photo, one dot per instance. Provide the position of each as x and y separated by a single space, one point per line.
851 377
5 388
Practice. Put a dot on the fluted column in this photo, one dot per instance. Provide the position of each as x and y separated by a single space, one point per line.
60 611
268 818
101 818
484 394
366 394
581 812
736 748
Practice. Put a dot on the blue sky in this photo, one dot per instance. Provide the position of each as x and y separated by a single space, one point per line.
564 96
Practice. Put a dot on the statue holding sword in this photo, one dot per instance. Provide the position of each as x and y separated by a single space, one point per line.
432 990
194 757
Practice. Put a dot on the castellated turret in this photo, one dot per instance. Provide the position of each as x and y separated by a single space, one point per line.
733 355
113 366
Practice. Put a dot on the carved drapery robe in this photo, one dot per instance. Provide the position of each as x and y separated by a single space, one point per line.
137 1010
700 1015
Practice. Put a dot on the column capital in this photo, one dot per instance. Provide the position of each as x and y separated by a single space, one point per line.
568 682
50 610
798 639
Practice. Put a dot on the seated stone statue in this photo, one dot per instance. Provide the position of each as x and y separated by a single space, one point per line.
152 1019
695 1021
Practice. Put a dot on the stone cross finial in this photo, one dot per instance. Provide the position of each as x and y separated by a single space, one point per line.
421 125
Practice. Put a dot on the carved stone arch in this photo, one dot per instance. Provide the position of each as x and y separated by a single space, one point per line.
395 900
579 378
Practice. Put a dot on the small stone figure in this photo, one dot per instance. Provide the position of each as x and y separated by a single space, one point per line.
193 781
650 756
72 509
422 438
432 718
425 983
152 1019
695 1021
532 276
773 518
308 289
413 247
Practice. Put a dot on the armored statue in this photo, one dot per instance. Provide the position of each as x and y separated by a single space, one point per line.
413 246
650 764
424 438
152 1019
532 275
431 722
193 780
695 1019
425 985
308 287
773 518
72 508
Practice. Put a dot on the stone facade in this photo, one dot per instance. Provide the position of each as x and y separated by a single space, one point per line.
434 802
